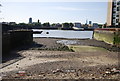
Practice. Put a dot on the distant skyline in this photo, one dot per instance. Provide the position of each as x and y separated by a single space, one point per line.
54 12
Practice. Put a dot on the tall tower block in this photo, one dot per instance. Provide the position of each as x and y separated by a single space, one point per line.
113 15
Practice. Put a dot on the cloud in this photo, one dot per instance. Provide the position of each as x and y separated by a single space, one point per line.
69 8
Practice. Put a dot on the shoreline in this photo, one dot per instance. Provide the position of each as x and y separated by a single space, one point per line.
41 44
86 42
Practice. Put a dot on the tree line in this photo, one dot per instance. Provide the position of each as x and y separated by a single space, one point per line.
45 25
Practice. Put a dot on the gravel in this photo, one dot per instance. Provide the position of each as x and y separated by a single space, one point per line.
45 64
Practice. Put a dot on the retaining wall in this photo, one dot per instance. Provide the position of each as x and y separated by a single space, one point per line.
15 39
6 43
108 35
21 37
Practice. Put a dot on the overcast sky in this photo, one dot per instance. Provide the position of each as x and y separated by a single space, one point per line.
52 11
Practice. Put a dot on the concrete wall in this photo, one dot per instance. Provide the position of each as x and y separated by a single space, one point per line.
117 38
6 43
20 38
108 36
16 38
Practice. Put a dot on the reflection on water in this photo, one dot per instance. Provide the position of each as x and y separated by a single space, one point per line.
64 34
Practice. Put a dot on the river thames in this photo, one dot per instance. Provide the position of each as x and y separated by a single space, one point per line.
64 34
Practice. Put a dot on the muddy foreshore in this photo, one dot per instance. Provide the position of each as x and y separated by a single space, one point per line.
46 59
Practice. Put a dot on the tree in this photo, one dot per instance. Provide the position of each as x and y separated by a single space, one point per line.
47 24
37 24
100 25
53 25
105 25
66 25
22 24
71 25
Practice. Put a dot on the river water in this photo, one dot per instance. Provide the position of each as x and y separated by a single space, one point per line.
64 34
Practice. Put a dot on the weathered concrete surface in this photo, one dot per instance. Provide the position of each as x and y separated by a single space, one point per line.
111 36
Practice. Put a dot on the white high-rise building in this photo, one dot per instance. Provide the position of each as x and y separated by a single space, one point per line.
113 16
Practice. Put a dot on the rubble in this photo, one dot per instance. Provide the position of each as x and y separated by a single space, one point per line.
107 72
70 71
21 73
113 71
57 70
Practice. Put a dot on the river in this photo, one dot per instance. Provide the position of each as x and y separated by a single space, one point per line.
64 34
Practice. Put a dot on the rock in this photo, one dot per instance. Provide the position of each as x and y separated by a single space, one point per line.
16 77
58 70
30 59
44 75
68 71
16 66
114 71
107 72
77 74
21 73
93 78
91 74
108 68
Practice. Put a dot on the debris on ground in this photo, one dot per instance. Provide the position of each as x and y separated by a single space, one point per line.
58 70
70 71
113 71
21 73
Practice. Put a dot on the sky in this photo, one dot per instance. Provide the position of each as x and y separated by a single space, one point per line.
52 11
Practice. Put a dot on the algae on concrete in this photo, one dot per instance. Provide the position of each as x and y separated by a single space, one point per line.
81 48
117 39
107 37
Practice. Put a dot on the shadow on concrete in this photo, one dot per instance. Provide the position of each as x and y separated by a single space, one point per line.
13 54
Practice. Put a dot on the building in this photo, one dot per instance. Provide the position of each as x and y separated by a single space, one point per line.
30 20
5 23
90 23
77 25
12 23
113 15
95 25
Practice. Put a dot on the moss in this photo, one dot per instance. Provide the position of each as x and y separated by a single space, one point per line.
110 37
107 37
59 48
81 48
117 38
